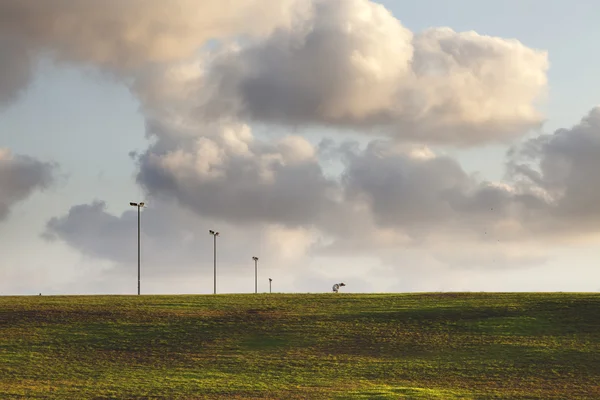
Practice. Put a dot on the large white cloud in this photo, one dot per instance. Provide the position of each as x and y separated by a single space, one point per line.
347 63
352 64
20 176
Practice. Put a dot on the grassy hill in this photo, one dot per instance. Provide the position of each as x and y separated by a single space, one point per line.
414 346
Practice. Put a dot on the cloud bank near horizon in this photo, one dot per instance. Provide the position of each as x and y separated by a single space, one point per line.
387 199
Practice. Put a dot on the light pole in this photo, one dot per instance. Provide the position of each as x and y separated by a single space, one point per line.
270 280
215 234
255 274
139 206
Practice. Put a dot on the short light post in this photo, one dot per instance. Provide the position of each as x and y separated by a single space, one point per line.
139 206
214 234
270 280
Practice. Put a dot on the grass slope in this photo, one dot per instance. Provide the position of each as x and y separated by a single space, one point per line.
414 346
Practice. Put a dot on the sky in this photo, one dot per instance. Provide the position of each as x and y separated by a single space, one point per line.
394 146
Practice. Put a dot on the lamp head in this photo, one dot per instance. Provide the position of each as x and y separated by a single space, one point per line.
133 204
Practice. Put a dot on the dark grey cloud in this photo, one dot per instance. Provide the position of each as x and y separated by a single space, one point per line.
20 176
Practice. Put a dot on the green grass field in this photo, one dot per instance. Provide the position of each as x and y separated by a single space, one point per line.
414 346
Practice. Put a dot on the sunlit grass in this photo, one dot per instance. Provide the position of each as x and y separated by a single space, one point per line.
418 346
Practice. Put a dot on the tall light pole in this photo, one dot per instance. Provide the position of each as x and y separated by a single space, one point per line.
139 206
270 280
215 234
255 274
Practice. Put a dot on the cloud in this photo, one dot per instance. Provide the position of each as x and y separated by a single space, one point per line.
398 205
390 200
122 36
563 167
404 192
407 195
411 188
218 167
174 241
346 63
352 64
15 69
20 176
232 176
413 196
177 255
125 34
389 196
